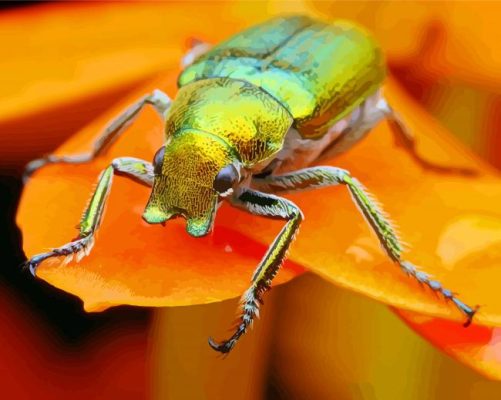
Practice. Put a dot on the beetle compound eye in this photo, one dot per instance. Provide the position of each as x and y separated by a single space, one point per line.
225 179
158 161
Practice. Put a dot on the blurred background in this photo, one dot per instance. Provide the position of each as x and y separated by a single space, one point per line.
64 64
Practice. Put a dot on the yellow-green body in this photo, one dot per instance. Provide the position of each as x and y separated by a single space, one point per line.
237 102
242 114
318 71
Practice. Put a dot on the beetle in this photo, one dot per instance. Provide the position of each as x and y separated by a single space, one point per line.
251 116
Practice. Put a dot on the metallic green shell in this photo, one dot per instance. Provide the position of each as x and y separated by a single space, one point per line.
318 71
248 119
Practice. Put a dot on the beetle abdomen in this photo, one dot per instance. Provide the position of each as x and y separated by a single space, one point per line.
319 72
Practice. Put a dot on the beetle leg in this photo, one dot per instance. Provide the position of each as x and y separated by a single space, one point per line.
408 141
316 177
272 206
197 49
158 99
134 168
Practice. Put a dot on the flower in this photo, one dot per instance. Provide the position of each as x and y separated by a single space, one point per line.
133 263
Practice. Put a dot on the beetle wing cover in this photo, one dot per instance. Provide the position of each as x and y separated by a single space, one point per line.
320 72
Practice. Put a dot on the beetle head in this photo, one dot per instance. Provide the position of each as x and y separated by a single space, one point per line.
191 171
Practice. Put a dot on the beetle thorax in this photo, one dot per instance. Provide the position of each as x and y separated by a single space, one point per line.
243 115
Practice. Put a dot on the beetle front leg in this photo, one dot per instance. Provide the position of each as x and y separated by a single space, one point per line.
158 99
408 141
269 206
134 168
317 177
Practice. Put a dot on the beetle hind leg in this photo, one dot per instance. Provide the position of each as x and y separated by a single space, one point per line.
136 169
391 244
407 140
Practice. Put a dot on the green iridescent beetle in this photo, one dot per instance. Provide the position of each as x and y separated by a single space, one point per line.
251 115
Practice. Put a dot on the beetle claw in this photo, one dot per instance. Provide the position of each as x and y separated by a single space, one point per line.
32 265
32 166
223 347
470 316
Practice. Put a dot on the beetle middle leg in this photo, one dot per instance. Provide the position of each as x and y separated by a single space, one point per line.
316 177
134 168
272 206
158 99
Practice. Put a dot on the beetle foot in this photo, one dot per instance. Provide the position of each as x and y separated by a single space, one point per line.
77 248
224 347
33 262
32 166
470 314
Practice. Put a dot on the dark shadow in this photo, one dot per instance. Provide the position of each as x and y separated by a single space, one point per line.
63 313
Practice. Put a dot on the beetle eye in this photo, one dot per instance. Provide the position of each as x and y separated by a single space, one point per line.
158 161
225 179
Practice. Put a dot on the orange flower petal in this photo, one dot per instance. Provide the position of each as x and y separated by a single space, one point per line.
479 346
132 262
105 46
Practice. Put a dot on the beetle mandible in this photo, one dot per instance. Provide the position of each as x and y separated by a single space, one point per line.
250 117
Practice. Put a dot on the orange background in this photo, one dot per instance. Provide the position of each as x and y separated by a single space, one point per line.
66 63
